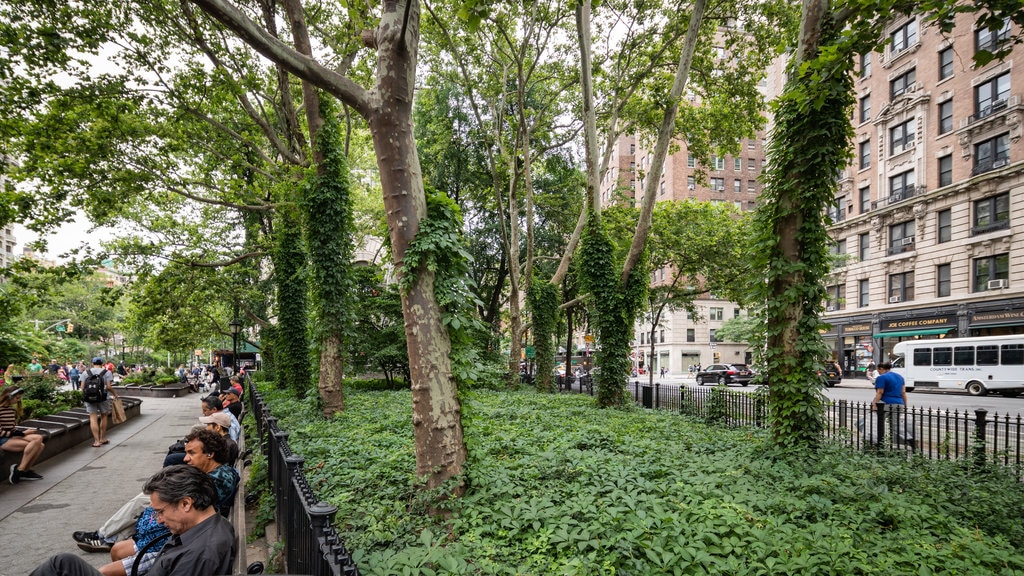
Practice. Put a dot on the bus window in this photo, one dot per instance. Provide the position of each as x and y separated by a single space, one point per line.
963 356
942 356
923 357
1013 354
897 362
988 355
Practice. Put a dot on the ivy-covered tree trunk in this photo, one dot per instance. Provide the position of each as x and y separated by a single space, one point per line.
329 224
809 148
543 301
291 349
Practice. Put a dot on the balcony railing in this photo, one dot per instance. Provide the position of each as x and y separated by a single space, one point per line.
999 225
987 111
992 164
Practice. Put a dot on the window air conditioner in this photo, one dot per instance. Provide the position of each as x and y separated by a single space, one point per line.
908 240
894 299
830 308
996 284
690 187
999 163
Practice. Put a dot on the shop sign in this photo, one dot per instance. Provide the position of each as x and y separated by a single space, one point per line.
918 323
1003 316
852 328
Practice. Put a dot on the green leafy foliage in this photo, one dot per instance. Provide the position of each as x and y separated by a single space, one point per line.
291 355
644 492
615 308
542 299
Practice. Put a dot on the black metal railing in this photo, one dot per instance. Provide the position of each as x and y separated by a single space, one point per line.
306 524
932 433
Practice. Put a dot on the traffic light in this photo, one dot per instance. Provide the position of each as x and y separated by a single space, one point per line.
71 327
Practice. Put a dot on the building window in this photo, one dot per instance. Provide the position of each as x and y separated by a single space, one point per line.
737 164
943 279
945 63
661 336
715 313
901 186
864 246
632 149
719 163
901 237
991 154
718 184
750 144
691 182
836 297
902 83
751 164
901 287
736 313
863 293
992 213
865 154
946 117
662 188
691 335
946 170
737 185
990 40
901 137
945 226
752 186
988 272
691 162
865 108
865 199
904 37
865 65
990 96
712 336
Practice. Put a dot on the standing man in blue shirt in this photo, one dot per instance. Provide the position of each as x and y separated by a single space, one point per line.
889 386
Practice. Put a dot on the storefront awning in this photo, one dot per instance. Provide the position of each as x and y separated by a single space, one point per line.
927 332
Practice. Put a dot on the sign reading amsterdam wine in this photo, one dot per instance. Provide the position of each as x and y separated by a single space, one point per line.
1001 317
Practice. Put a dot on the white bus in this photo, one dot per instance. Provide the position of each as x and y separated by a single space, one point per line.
978 365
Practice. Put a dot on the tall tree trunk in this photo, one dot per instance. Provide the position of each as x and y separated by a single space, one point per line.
436 413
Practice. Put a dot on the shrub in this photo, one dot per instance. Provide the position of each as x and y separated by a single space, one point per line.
556 486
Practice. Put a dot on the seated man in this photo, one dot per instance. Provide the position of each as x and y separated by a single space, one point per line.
232 402
29 442
204 450
212 404
202 542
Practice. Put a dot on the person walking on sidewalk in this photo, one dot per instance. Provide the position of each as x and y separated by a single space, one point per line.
99 410
202 542
29 442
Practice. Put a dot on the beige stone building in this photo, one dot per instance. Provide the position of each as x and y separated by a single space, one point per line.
930 214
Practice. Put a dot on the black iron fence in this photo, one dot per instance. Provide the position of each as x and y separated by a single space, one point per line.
306 525
930 432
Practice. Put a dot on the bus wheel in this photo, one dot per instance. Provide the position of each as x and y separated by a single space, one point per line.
975 388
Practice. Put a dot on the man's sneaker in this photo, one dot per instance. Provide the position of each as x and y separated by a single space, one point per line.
82 536
15 476
29 475
94 545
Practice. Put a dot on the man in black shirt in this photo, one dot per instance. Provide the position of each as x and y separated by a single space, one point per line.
202 541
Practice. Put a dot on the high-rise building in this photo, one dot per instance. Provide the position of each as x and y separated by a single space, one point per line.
7 244
928 223
681 340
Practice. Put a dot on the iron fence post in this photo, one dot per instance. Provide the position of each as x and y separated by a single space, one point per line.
657 394
980 415
842 413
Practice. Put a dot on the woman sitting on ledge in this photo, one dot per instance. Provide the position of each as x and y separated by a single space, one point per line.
29 442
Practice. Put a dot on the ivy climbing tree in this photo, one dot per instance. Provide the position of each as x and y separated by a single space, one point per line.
329 223
542 298
291 337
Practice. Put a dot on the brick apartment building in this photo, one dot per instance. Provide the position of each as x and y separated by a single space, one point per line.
930 215
682 341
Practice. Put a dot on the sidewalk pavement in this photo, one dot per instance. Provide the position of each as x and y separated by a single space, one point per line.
83 486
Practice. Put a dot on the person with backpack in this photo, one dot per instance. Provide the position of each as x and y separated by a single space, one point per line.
96 391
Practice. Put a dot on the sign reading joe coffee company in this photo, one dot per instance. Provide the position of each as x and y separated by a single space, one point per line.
918 323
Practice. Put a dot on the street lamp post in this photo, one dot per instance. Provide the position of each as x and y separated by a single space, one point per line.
236 327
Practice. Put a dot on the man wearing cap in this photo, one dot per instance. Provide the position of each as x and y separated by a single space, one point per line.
232 402
213 404
99 412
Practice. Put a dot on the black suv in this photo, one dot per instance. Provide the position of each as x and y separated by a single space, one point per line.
725 374
832 374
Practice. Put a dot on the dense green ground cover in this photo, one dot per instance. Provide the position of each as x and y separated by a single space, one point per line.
557 486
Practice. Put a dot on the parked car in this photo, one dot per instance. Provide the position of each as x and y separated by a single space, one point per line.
725 374
832 374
